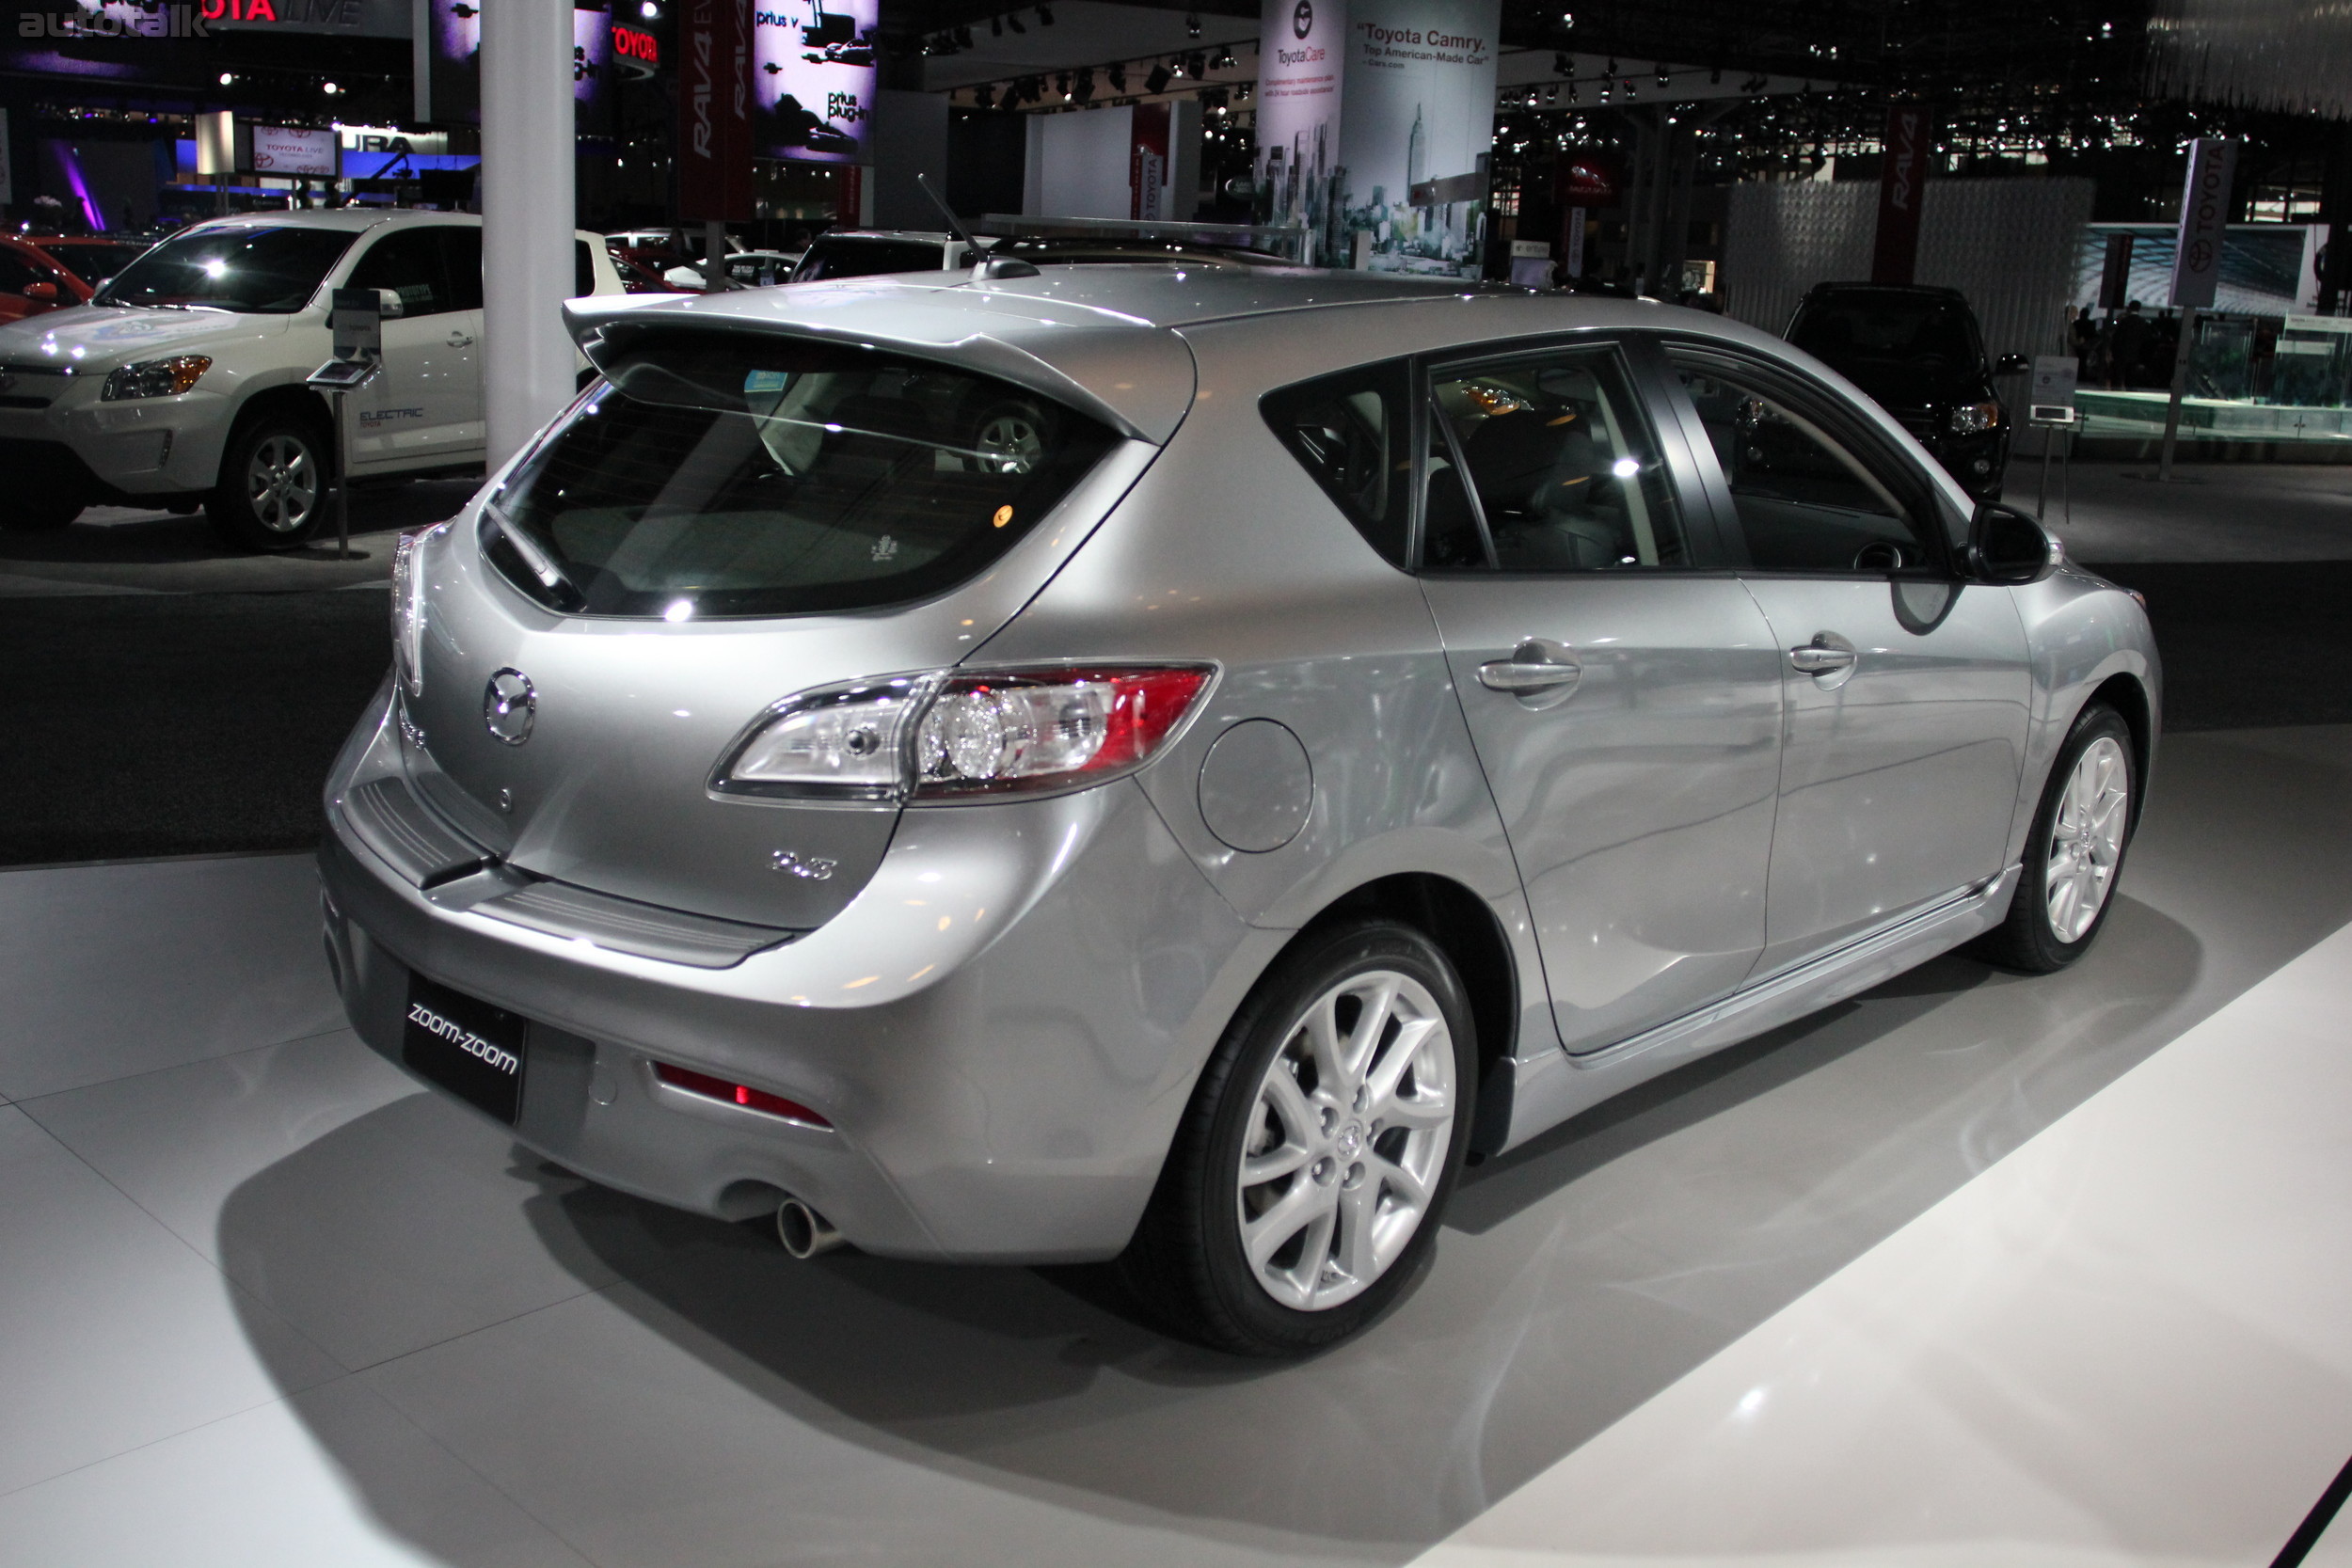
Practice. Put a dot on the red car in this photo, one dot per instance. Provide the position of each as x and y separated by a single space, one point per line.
49 272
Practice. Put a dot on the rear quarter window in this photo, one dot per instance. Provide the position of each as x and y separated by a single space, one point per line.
1352 433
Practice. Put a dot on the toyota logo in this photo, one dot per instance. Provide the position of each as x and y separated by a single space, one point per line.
1302 17
508 706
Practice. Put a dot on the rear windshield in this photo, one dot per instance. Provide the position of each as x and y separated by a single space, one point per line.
249 268
728 476
848 258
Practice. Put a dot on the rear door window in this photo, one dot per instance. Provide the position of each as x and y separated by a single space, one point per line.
761 476
1563 470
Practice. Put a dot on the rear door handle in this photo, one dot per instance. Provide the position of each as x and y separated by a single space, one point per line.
1826 654
1539 673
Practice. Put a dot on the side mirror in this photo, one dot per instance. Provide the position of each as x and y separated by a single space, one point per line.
41 291
2011 364
2009 547
390 307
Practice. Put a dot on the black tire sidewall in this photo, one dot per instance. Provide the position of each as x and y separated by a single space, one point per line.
2094 723
1241 1315
233 514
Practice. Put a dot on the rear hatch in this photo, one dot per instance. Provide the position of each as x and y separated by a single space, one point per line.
732 519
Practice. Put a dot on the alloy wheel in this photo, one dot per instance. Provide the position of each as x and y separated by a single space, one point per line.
1011 443
282 482
2087 839
1347 1140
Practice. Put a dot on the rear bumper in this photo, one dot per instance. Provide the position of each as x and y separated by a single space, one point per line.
1003 1028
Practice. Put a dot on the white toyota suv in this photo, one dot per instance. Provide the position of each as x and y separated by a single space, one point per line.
182 382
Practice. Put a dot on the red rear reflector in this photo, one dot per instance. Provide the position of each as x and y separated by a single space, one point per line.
736 1094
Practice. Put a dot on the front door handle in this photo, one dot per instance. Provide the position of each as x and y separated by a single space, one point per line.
1824 655
460 339
1539 673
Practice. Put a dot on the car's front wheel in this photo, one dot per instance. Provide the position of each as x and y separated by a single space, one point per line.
1309 1175
2080 831
272 493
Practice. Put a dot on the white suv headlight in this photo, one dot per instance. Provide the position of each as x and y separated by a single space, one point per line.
155 378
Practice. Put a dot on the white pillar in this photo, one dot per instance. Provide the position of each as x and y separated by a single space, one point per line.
527 222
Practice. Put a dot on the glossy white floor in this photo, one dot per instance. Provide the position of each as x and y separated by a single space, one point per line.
1817 1300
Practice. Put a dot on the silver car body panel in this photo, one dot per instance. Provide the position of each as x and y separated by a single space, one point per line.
1002 1005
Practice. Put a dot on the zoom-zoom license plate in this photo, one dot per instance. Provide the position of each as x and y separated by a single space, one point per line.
470 1048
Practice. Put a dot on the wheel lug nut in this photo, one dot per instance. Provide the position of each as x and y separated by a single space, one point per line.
1322 1172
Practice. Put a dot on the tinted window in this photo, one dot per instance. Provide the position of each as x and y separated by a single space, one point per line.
858 258
408 262
764 477
461 256
1352 433
1560 461
16 272
93 263
1808 500
251 268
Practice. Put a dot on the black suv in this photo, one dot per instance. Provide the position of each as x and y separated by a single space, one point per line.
1917 351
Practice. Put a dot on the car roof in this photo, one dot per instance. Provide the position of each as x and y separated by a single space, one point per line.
1104 339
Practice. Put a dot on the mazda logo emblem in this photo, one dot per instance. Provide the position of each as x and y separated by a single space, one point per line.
1302 18
508 706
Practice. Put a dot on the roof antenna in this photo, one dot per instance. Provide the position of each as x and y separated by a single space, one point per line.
987 266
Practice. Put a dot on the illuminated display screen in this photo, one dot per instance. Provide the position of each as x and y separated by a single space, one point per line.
813 77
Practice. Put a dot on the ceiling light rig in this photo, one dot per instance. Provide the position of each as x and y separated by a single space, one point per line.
1192 24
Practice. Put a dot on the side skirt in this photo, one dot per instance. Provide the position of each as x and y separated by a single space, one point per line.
1556 1086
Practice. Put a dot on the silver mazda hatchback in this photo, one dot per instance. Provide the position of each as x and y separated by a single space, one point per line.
1124 762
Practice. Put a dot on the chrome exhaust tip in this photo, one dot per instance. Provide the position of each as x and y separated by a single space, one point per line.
803 1231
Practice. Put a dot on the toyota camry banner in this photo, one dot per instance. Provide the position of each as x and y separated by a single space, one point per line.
1418 120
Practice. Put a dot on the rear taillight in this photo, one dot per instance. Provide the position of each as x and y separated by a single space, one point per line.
409 608
952 733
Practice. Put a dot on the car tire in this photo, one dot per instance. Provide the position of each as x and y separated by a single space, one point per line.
1012 436
41 511
274 483
1305 1185
2076 851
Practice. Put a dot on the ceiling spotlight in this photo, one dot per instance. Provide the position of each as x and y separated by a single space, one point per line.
1061 84
1224 60
1086 85
1611 68
1012 20
1572 94
225 78
1567 20
1664 75
984 96
1045 16
996 26
1562 65
330 89
1715 77
1118 75
1196 65
1156 82
1176 67
1630 90
650 11
1192 24
963 37
1552 93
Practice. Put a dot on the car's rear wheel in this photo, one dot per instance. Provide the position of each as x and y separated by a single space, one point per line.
2075 854
272 494
1307 1180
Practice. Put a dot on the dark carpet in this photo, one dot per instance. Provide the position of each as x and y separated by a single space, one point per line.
196 724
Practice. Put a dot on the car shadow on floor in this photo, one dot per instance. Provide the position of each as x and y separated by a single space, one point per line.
1044 1382
1575 1278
